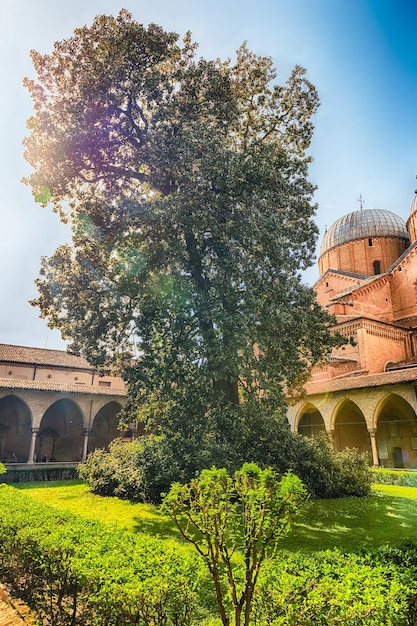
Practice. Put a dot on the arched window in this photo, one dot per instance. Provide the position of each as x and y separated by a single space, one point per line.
377 267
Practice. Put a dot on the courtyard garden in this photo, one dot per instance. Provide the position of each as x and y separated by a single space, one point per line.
81 558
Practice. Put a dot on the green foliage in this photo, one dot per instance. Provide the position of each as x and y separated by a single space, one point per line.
61 563
351 524
328 473
394 477
330 588
117 472
220 515
139 470
40 471
79 572
186 183
145 468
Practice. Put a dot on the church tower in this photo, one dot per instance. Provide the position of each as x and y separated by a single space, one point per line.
412 220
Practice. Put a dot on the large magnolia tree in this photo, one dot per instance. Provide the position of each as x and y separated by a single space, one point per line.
185 182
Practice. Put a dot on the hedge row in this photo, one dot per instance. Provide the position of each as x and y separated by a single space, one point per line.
400 478
76 571
331 588
42 472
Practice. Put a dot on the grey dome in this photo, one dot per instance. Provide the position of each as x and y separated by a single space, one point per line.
361 224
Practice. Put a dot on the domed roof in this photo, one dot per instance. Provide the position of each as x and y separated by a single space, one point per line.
361 224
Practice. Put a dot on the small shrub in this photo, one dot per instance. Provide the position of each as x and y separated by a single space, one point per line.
115 472
139 470
328 473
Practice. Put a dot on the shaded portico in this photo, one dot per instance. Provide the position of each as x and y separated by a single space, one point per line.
365 413
15 429
310 422
350 428
396 433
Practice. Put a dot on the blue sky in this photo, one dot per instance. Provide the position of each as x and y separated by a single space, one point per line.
360 54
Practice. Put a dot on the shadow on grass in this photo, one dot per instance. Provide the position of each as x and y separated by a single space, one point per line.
350 524
158 525
353 523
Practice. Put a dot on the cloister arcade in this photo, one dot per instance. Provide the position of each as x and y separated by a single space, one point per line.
36 426
380 422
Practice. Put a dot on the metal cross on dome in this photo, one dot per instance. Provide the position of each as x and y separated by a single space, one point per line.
361 201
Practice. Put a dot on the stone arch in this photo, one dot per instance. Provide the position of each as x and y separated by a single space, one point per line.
105 426
310 422
396 432
350 429
61 431
15 429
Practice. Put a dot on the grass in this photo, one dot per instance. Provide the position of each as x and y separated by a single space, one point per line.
75 496
389 516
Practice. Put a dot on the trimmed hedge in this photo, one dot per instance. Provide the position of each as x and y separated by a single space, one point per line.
400 478
41 472
76 571
330 589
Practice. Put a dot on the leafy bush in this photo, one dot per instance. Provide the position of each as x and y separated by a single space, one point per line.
402 560
117 472
249 511
145 468
138 470
328 473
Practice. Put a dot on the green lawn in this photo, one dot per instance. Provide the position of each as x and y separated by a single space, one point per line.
74 496
388 516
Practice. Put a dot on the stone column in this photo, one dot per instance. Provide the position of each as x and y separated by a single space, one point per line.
32 445
374 448
87 432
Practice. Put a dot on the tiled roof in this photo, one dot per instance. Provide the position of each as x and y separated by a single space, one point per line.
364 283
41 356
402 364
339 273
35 385
360 382
407 322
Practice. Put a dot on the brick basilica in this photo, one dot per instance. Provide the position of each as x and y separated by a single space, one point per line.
365 395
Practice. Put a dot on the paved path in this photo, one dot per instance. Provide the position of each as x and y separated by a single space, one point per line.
8 616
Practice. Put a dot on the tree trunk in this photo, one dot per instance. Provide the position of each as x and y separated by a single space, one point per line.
230 389
238 613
